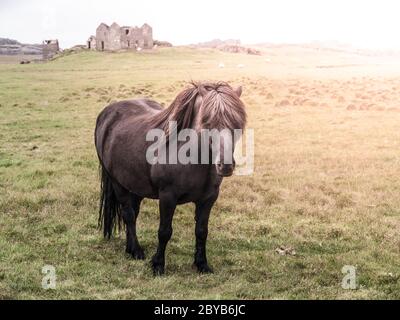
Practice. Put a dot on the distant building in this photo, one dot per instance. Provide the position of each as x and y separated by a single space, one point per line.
114 38
50 48
91 44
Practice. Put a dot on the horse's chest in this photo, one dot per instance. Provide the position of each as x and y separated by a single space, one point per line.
190 183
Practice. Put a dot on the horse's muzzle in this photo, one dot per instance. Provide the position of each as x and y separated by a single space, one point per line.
225 170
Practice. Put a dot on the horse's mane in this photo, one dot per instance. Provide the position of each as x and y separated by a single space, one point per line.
221 108
181 110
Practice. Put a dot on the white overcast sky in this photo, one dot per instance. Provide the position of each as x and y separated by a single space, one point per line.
368 23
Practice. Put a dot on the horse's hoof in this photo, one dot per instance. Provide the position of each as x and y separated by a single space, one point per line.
158 268
204 268
138 254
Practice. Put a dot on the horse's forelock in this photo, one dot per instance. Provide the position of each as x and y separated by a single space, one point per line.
221 108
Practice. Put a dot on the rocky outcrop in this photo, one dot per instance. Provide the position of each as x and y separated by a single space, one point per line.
5 41
239 49
159 43
13 47
216 43
230 45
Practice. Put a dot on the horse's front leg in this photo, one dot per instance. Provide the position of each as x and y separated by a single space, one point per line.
203 210
167 206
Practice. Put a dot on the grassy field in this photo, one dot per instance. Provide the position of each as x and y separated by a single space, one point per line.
325 188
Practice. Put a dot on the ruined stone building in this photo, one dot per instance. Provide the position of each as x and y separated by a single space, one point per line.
114 37
91 43
50 48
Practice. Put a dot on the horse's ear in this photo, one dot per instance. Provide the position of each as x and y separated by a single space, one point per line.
238 91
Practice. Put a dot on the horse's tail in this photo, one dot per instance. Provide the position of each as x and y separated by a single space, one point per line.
110 208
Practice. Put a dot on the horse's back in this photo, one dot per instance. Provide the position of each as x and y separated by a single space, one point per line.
127 110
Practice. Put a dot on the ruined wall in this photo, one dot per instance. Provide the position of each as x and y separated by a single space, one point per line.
50 48
147 34
102 35
126 38
134 37
115 38
91 43
108 38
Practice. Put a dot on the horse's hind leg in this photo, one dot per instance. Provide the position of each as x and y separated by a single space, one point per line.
132 243
130 206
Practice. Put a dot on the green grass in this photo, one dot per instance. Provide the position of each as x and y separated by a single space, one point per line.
325 183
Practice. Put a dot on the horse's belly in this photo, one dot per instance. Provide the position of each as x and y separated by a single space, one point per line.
189 183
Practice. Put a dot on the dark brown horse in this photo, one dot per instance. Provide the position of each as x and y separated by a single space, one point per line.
128 177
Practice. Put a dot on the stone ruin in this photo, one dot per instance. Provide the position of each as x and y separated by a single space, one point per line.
50 49
114 38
